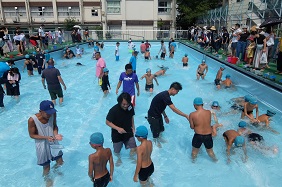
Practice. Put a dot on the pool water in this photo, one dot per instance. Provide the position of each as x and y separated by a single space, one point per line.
85 110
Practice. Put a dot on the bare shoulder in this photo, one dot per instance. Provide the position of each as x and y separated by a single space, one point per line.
108 151
31 122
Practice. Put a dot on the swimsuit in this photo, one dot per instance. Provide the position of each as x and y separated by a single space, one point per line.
186 65
217 81
254 137
103 181
198 139
201 74
145 173
149 86
146 58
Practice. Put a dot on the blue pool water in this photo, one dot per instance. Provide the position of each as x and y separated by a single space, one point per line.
85 111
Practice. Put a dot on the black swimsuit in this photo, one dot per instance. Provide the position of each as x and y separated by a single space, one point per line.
103 181
145 173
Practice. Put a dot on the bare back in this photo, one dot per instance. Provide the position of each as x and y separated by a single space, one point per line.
145 151
99 162
201 121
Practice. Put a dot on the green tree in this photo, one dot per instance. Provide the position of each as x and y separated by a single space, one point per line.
190 10
69 23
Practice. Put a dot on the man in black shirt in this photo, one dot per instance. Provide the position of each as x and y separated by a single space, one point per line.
54 81
157 109
120 119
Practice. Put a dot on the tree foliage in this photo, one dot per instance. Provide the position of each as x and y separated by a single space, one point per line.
69 23
190 10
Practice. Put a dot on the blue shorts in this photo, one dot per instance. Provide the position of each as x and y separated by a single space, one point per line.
117 58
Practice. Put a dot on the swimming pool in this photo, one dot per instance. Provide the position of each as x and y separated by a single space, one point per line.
85 111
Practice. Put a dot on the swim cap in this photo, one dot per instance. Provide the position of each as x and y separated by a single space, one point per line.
203 61
215 103
242 124
270 113
198 101
141 132
222 66
164 68
239 141
148 69
97 139
227 76
105 70
247 98
253 101
34 52
185 54
26 56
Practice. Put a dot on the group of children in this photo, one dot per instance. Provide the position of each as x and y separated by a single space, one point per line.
98 171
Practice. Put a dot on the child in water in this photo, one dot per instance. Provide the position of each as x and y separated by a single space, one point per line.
97 170
227 82
145 166
149 80
185 60
105 82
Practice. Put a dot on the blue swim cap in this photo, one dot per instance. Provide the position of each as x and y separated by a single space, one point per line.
222 66
26 56
247 98
239 141
215 103
227 76
270 113
253 101
242 124
97 138
198 101
148 69
185 54
141 132
105 70
34 52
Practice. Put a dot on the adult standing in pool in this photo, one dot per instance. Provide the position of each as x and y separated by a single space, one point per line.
128 79
100 65
42 127
121 120
54 81
200 121
157 110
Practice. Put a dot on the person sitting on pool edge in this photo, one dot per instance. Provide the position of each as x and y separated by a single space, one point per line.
219 76
248 110
97 170
227 82
256 140
202 70
230 137
200 121
145 166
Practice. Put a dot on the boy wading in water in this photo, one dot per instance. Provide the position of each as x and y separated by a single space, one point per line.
145 166
149 80
97 170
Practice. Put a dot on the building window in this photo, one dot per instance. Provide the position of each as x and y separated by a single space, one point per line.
113 7
164 7
14 12
41 11
68 11
94 12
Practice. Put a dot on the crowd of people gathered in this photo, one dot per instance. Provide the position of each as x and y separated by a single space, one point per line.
254 46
